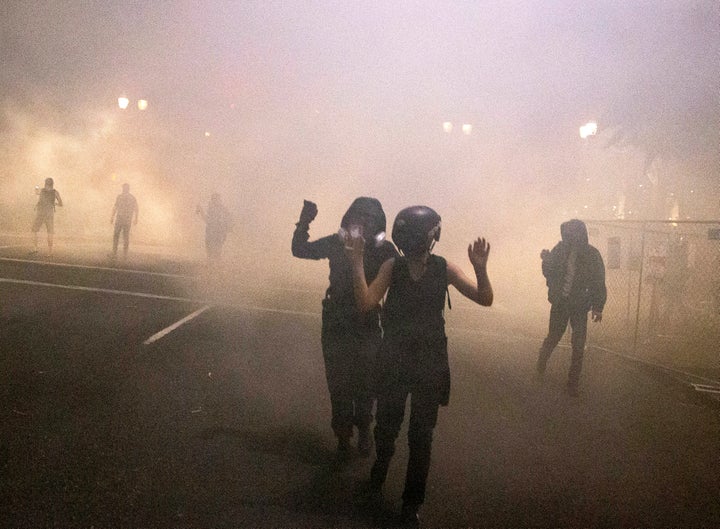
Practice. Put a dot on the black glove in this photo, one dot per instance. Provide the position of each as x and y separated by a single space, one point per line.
308 213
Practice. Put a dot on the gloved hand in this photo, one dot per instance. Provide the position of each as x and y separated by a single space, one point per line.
308 213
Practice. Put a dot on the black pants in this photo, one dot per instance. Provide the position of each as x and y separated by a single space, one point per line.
423 417
124 228
349 355
560 315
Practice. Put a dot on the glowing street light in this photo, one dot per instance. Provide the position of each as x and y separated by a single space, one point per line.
589 129
447 127
467 129
142 104
123 102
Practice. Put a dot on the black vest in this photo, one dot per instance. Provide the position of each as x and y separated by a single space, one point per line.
414 351
415 308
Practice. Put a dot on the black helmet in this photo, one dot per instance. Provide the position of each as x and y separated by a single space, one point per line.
370 212
416 229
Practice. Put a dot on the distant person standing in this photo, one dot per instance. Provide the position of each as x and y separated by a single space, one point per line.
217 225
45 213
124 213
575 275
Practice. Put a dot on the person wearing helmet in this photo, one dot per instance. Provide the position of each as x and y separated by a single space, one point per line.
45 213
575 275
413 359
349 338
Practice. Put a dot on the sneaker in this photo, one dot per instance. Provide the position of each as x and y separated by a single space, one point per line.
364 442
409 516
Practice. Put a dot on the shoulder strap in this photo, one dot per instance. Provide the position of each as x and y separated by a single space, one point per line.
443 265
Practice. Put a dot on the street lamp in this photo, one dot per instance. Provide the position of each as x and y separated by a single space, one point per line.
589 129
123 102
142 104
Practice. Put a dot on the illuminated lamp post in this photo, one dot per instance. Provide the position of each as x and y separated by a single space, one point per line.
123 102
589 129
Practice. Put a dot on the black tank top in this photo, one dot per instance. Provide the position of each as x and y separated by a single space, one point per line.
415 308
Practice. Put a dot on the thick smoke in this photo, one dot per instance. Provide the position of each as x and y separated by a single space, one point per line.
269 105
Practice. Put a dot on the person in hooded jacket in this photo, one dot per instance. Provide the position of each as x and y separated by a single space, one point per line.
350 339
575 277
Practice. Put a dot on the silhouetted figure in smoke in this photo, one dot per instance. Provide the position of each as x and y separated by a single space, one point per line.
217 225
45 213
413 359
350 339
124 213
575 275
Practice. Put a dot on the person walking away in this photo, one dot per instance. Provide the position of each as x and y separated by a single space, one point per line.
350 339
45 213
217 225
575 276
124 213
413 360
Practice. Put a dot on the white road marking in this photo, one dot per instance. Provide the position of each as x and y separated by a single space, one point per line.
252 308
707 388
713 383
94 289
89 267
167 330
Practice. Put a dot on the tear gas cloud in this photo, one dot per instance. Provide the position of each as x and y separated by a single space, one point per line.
269 105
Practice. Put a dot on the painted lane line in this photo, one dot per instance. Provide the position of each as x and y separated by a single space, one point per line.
101 290
167 330
707 388
89 267
250 308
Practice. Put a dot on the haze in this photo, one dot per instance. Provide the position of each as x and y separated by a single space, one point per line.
270 103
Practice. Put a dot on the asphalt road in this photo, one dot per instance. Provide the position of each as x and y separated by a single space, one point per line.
156 393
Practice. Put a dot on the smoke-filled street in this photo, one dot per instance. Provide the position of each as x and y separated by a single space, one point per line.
141 395
191 192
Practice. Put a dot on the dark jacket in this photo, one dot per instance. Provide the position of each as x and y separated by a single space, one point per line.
588 290
339 303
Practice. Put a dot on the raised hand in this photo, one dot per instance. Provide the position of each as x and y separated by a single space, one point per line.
478 252
308 213
354 247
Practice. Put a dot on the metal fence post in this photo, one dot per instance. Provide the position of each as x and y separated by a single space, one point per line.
639 295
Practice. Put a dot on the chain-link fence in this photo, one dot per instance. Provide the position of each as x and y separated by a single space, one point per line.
663 280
